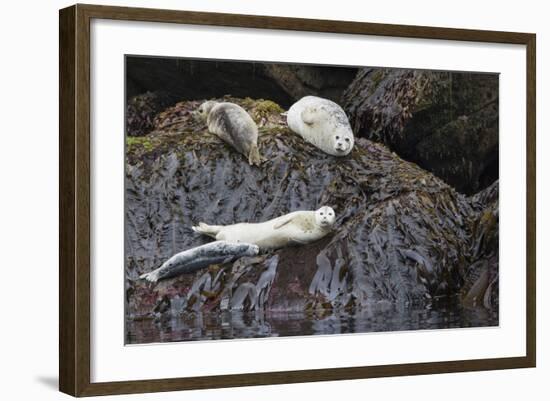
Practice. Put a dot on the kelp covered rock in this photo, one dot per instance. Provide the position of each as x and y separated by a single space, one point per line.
481 278
402 236
446 122
142 110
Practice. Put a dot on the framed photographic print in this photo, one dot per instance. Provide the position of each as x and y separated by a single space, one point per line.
278 200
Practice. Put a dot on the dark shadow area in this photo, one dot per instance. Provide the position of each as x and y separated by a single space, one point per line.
185 79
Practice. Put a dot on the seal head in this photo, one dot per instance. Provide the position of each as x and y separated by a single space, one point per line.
325 217
343 141
204 109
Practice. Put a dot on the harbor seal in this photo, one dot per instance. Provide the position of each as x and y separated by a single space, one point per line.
232 124
296 228
199 257
322 123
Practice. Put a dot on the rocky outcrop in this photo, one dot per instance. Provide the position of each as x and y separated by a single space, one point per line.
188 79
304 80
142 110
481 278
402 235
446 122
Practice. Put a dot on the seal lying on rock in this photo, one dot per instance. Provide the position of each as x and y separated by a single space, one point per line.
301 227
194 259
322 123
234 125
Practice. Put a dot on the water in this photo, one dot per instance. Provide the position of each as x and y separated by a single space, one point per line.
236 324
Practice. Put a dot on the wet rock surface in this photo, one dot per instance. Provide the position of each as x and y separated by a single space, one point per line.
402 236
446 122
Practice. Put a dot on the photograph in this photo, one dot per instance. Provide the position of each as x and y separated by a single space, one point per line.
272 199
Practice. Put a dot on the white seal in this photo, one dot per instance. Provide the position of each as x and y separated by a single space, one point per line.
322 123
296 228
199 257
234 125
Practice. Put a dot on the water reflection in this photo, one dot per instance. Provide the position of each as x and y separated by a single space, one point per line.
236 324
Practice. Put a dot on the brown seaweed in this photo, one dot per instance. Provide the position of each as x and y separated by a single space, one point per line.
402 235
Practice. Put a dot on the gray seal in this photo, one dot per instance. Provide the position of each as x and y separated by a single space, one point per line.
232 124
199 257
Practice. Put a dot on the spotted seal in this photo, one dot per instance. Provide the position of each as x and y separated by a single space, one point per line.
232 124
300 227
199 257
322 123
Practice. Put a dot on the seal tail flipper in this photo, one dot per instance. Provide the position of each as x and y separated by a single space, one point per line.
153 276
254 158
205 229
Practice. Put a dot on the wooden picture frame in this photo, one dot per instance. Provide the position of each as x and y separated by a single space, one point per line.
74 200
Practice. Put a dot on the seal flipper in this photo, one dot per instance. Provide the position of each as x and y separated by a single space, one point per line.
229 259
309 115
152 277
295 241
205 229
283 223
254 158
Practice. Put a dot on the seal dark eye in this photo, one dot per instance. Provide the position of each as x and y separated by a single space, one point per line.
347 139
337 137
322 213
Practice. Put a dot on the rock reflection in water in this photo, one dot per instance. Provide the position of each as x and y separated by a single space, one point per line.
235 324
